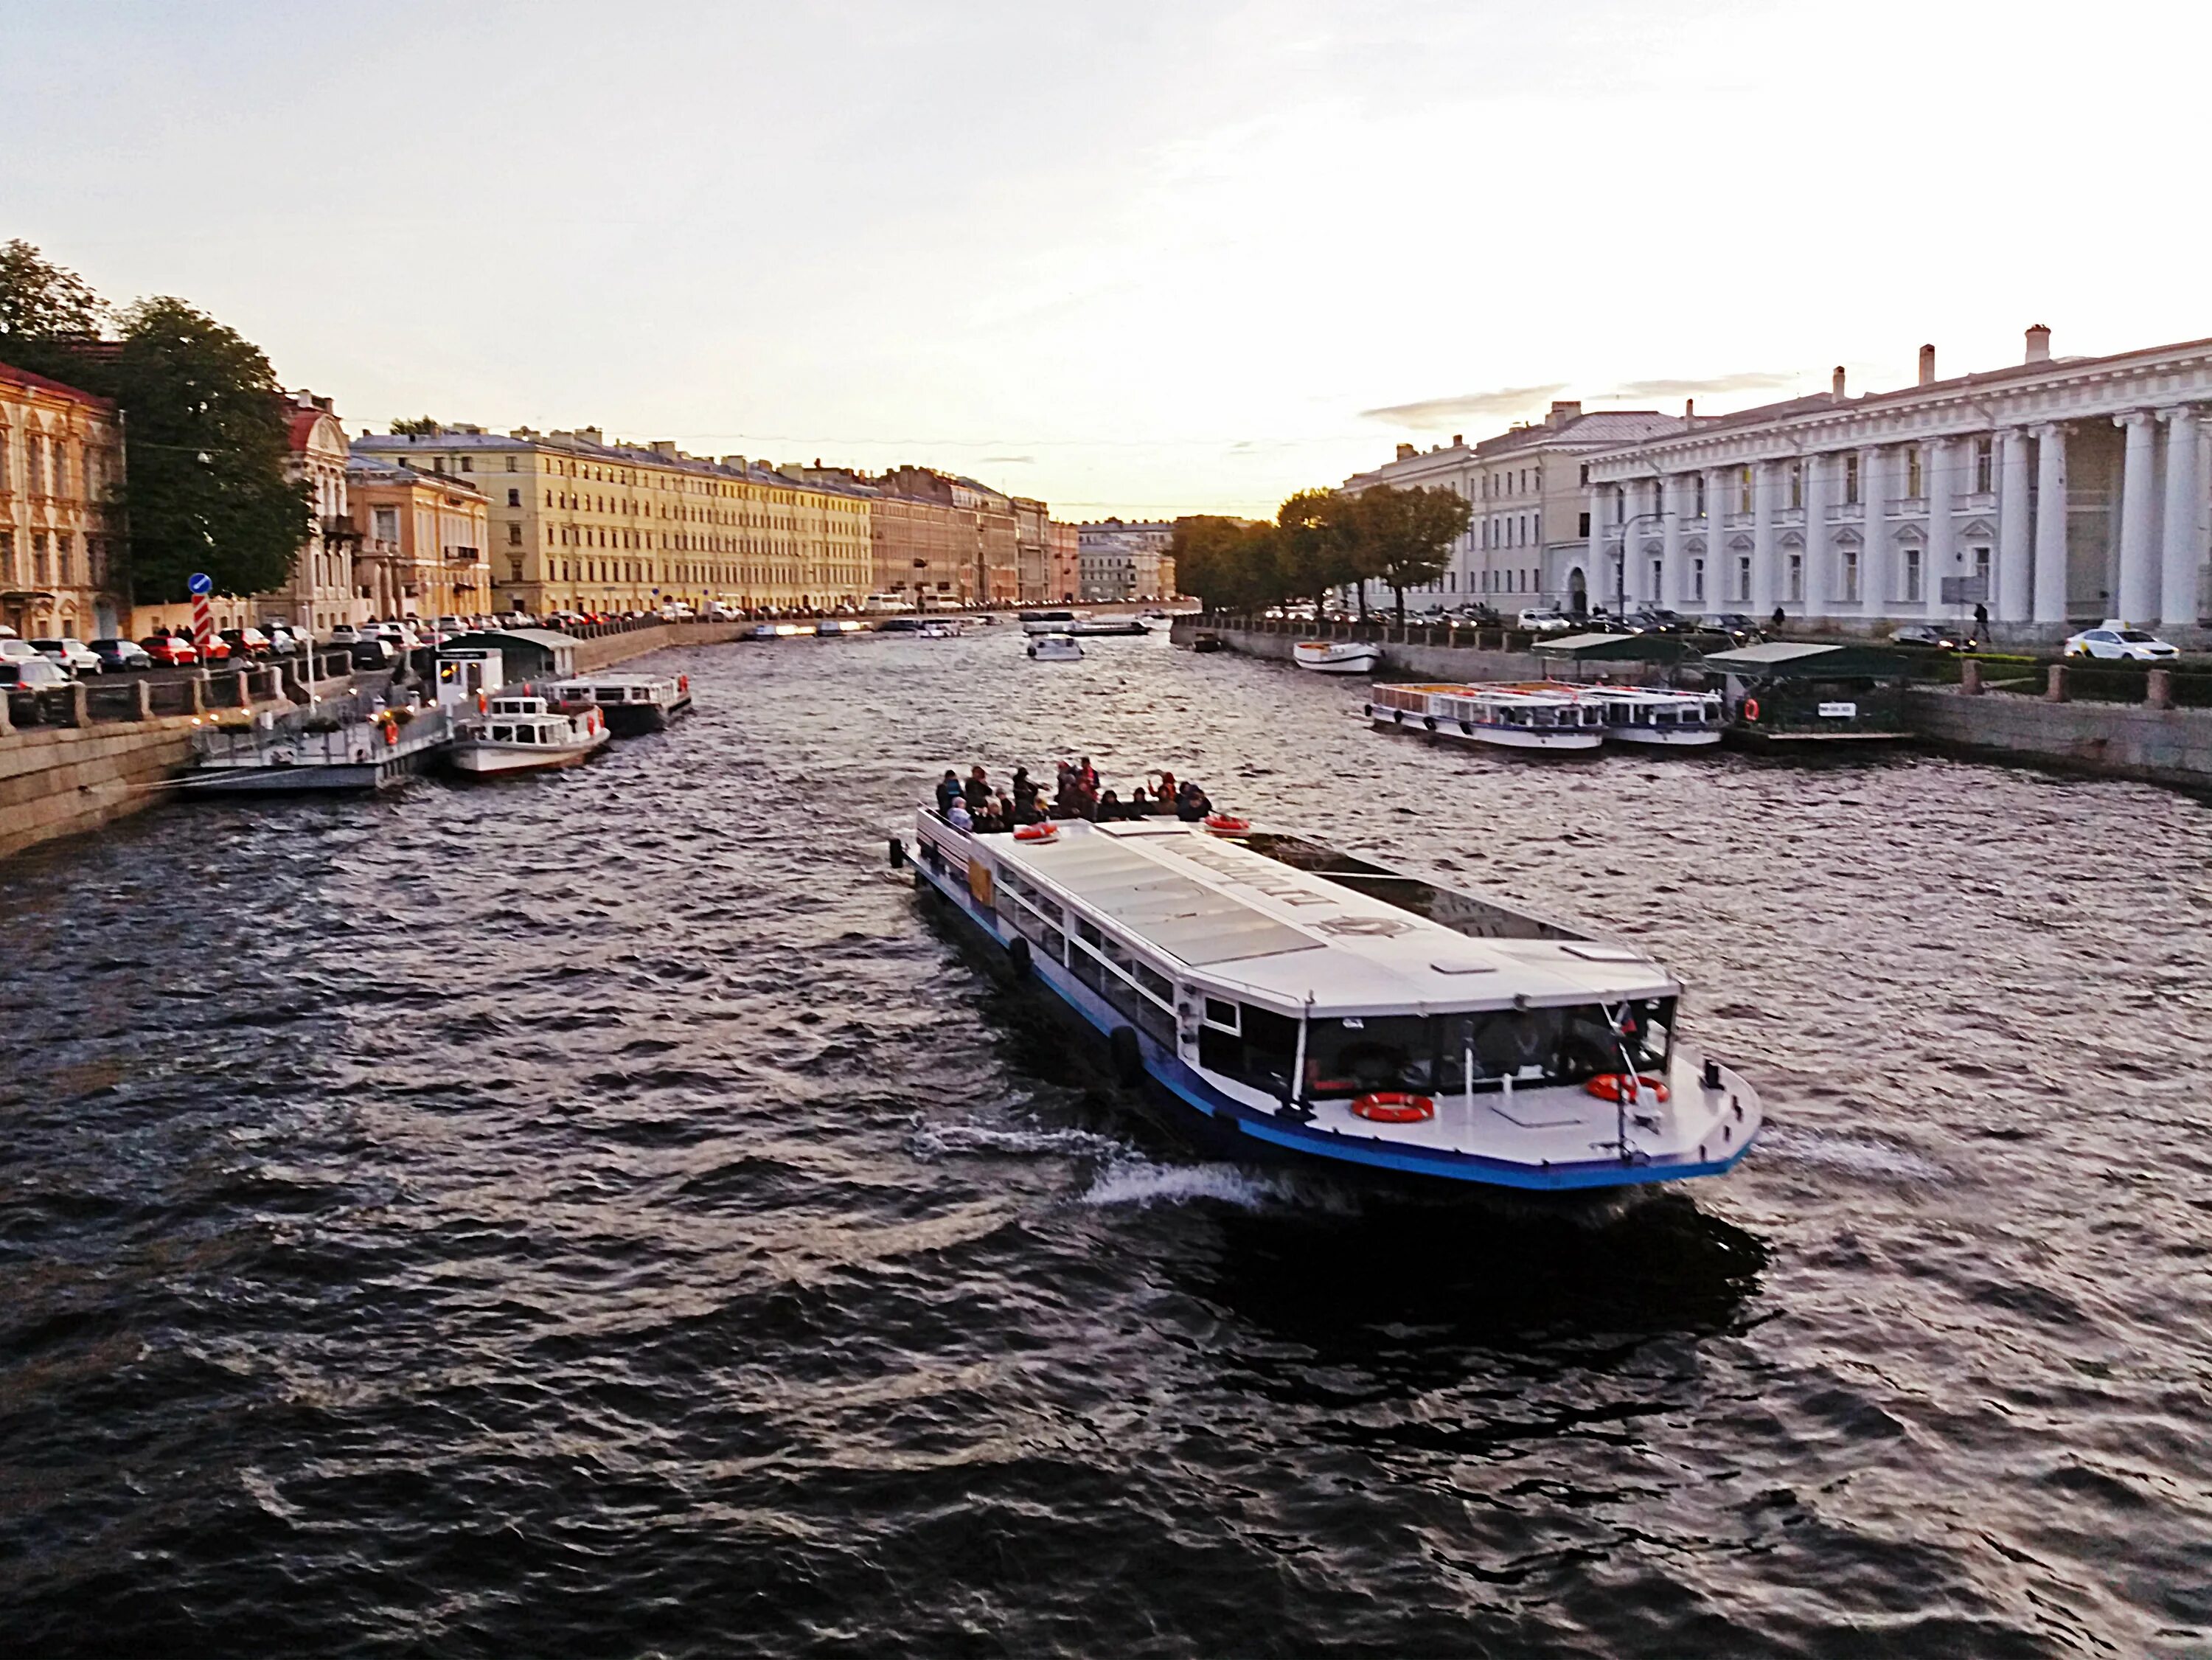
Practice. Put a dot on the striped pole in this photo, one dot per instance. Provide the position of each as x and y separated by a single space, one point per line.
202 624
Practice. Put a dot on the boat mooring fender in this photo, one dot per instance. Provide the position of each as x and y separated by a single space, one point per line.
1017 953
1128 1058
1431 723
898 853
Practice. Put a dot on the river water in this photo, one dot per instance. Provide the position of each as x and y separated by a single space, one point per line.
605 1215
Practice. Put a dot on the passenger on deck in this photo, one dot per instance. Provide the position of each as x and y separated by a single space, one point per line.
1139 805
948 791
977 790
1191 804
1063 795
1025 793
1109 808
1165 793
957 816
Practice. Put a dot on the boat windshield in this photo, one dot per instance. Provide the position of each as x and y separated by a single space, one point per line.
1441 1053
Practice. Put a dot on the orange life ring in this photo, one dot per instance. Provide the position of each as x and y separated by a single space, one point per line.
1036 833
482 702
1751 709
1395 1107
682 682
391 731
1223 824
1618 1086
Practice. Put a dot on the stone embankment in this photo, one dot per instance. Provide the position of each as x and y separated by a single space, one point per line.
2146 741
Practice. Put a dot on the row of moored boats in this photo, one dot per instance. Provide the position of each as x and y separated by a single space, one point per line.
1551 714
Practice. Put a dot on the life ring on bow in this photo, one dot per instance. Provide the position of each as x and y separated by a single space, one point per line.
1395 1107
1624 1087
1751 709
682 682
1222 823
483 703
1036 833
391 733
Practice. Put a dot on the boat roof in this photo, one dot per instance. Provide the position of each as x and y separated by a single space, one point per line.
1615 647
1795 659
1257 926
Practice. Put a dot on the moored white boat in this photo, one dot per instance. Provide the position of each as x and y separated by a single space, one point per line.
1337 656
1056 647
631 704
1300 1001
1657 716
1503 717
522 732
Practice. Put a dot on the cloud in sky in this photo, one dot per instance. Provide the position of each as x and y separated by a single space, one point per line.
1748 380
1012 460
1439 412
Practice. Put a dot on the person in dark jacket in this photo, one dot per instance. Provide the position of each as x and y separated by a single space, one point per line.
948 790
978 791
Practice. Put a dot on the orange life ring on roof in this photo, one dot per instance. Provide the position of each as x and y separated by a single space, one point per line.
1624 1087
1036 833
1751 709
391 731
1395 1107
1223 825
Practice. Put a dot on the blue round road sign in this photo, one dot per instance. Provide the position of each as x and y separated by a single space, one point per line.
201 582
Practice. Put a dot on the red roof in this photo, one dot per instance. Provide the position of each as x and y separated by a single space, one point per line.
26 378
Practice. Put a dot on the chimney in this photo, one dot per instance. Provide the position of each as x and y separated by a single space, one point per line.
2039 344
1689 409
1406 451
1563 411
1458 439
1836 382
1928 366
665 448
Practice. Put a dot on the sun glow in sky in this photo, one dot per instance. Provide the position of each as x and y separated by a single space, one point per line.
1133 258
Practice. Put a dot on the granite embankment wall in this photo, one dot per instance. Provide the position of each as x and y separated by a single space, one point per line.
58 782
2120 740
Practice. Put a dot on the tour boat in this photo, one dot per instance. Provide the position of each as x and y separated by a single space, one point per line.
1337 656
1056 647
1090 627
631 704
1304 1002
1509 717
1657 716
338 744
520 733
1045 622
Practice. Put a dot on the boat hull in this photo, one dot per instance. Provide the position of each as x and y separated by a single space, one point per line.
1695 737
1337 658
490 760
1210 1111
1580 741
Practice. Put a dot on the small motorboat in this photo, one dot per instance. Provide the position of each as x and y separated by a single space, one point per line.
522 732
1056 647
1337 656
1207 643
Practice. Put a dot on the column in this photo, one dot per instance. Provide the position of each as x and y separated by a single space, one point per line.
1717 495
2051 523
2177 604
1874 534
1942 530
1674 580
2138 584
1819 586
1766 478
2014 565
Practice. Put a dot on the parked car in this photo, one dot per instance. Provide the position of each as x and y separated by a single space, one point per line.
73 655
13 650
1741 629
455 625
283 642
1933 636
33 674
170 650
343 634
119 656
372 653
1544 619
246 642
2114 641
1656 619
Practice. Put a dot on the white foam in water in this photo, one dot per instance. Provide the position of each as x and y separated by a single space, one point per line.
941 1140
1861 1154
1139 1182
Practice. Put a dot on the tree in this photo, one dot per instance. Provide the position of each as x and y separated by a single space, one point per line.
422 426
208 450
1227 563
1406 535
1316 542
43 307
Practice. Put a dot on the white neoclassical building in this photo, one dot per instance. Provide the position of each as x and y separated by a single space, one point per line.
2056 491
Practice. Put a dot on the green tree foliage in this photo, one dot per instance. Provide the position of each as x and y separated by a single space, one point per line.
1405 536
1316 542
208 452
42 306
422 426
1229 564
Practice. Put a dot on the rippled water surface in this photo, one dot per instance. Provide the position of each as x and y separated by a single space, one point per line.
605 1215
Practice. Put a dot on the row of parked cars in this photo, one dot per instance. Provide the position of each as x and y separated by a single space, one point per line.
56 661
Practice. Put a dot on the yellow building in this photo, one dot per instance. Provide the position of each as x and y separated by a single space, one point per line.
61 461
578 524
423 541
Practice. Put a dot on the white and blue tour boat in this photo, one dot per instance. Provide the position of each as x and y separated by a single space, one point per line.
1308 1003
1501 717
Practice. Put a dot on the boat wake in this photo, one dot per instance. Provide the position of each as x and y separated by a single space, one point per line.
953 1140
1133 1181
1862 1154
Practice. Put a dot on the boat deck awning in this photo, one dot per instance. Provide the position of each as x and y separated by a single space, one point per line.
1805 659
1194 923
1616 648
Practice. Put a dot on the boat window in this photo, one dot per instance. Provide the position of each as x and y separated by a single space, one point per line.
502 734
1088 932
1054 943
1156 982
1263 1057
1088 968
1220 1013
611 693
1537 1047
1381 1052
1049 908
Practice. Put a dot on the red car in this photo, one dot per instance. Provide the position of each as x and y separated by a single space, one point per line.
171 650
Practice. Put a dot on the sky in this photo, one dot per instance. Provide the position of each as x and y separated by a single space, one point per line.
1137 259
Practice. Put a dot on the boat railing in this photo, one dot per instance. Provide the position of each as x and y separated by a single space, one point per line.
341 732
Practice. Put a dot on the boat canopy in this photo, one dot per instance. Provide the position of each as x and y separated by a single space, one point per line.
1617 648
1803 660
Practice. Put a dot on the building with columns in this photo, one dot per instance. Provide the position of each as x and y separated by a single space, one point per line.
425 538
61 470
2056 491
1528 544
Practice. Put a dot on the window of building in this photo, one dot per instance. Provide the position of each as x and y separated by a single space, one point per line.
1585 525
1981 563
1743 490
1658 579
510 463
1794 579
1700 483
1849 558
1911 575
1985 466
515 535
1697 581
1913 480
1585 478
1796 483
1742 578
1851 479
468 463
386 524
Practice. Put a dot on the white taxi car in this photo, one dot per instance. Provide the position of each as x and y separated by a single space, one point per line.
2115 639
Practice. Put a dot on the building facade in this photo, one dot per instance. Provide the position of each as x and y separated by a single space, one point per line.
1528 543
579 523
2056 492
1032 549
424 536
1065 543
950 539
1121 560
61 471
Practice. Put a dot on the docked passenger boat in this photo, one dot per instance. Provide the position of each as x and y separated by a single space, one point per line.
519 732
1657 716
1337 656
1055 649
1505 717
1101 628
631 704
343 744
1302 1001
